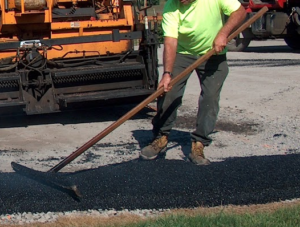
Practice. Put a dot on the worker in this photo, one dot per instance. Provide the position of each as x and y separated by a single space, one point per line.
191 28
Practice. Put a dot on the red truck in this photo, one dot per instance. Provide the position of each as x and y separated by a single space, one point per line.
281 21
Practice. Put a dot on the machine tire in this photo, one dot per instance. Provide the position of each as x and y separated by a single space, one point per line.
239 44
293 42
293 37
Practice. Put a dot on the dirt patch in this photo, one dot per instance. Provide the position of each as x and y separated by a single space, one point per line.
245 128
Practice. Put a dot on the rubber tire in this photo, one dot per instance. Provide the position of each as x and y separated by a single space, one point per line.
293 37
293 42
238 44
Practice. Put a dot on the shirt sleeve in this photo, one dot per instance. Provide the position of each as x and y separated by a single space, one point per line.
229 6
170 22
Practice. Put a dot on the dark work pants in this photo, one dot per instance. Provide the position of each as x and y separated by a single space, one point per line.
212 75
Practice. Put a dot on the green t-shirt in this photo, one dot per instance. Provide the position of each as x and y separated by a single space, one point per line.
196 25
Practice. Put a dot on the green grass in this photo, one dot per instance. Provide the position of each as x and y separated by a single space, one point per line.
286 217
280 214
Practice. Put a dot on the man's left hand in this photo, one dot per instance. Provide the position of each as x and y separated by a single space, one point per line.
220 43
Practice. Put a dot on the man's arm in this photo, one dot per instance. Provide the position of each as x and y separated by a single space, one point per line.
169 55
235 19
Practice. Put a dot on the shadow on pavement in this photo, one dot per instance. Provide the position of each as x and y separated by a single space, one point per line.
160 184
72 117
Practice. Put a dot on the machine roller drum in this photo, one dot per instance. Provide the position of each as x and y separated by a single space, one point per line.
31 4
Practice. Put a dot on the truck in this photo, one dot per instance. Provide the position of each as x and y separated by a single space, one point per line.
281 21
56 55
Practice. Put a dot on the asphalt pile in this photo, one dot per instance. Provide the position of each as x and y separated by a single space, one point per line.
158 184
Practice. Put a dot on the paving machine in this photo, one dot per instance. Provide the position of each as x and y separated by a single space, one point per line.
61 54
281 21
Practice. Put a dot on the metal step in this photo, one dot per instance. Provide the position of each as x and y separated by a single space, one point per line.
102 96
4 104
11 107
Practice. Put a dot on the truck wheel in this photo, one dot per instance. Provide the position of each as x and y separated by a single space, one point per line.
293 42
238 44
293 37
241 42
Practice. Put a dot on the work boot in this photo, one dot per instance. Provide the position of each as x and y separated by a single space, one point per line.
197 156
158 146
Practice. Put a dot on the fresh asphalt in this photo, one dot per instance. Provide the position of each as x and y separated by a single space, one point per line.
157 184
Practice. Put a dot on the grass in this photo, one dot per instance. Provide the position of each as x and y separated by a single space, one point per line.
285 216
281 218
280 214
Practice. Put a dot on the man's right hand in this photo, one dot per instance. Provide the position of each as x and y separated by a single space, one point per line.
169 55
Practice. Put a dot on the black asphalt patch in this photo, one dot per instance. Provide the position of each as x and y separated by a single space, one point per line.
263 62
159 184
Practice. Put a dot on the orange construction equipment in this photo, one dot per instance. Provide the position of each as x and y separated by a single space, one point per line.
61 54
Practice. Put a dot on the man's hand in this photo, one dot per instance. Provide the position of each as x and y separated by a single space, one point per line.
235 19
220 42
169 55
165 82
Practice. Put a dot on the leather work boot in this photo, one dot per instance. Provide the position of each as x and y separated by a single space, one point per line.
197 156
158 146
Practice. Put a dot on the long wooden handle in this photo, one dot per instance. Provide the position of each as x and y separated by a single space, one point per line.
150 98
